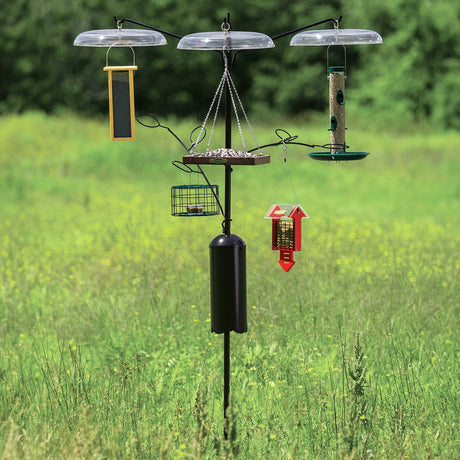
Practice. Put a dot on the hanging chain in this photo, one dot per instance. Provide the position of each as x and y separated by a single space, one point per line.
218 94
235 108
245 115
226 80
220 91
336 30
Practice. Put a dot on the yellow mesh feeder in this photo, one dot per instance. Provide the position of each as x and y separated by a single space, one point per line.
121 100
120 78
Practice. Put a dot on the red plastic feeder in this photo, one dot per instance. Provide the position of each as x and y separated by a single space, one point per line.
286 231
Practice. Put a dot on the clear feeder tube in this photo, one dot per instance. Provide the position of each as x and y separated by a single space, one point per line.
336 76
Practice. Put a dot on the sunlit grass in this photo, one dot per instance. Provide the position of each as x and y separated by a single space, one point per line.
104 299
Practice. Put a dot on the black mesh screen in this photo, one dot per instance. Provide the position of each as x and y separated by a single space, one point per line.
121 105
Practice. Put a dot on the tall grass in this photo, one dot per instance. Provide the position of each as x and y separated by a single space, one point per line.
106 350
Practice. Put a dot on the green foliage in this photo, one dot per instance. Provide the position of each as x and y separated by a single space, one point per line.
104 301
356 431
412 76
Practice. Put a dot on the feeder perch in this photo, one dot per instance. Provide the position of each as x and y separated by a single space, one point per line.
194 200
286 231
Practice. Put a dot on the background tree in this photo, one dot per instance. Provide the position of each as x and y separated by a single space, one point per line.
412 76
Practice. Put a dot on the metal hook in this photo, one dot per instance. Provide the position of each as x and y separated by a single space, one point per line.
184 167
201 136
157 125
226 26
283 141
287 139
226 29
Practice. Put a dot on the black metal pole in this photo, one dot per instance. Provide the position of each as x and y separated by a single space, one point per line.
226 381
228 209
228 145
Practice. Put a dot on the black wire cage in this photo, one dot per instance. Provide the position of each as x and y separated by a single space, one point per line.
194 200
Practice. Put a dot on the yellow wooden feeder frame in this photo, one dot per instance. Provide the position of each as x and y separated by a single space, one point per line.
121 103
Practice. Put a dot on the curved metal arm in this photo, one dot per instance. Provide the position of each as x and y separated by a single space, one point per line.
276 144
303 144
178 164
146 26
334 21
159 125
132 21
289 140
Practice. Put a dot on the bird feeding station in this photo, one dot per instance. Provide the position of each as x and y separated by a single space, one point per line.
228 251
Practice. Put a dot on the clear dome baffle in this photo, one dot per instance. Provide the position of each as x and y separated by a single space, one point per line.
336 37
231 40
120 37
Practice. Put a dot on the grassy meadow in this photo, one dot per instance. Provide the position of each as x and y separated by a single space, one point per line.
105 343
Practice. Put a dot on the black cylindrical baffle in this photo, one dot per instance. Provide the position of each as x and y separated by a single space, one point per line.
228 284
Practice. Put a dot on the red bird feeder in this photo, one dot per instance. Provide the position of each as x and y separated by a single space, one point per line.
286 231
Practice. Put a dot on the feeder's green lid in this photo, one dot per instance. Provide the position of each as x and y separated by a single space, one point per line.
339 156
336 68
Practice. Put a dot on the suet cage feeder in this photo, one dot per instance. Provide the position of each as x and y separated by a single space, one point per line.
286 231
283 234
194 200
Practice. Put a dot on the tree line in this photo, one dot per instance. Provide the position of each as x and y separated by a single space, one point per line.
414 75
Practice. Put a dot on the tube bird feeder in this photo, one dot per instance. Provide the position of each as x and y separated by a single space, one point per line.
336 75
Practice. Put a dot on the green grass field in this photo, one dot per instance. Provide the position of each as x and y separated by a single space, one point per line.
105 343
